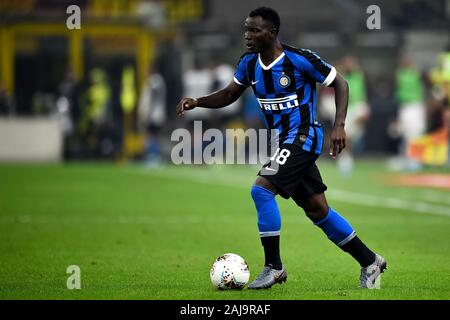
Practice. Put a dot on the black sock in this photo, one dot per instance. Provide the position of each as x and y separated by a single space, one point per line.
272 251
358 250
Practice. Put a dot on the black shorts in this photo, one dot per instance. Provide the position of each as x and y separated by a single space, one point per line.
294 173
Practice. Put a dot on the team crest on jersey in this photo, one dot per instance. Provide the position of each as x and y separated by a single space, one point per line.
284 81
302 138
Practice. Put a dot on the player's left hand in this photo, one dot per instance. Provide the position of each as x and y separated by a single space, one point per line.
337 141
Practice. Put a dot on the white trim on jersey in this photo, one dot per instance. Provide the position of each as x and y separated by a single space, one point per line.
330 78
274 62
237 81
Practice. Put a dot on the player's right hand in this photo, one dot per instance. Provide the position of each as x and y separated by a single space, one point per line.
186 104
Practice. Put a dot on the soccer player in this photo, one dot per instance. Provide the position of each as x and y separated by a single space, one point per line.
284 79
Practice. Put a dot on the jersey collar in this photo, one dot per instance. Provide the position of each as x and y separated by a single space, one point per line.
274 62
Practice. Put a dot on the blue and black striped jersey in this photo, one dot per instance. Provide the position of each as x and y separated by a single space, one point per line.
286 92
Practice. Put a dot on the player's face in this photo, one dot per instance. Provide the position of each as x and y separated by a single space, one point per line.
259 34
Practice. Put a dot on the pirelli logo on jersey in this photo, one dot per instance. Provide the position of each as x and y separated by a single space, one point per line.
279 103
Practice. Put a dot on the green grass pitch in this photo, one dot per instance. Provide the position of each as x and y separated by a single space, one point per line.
141 233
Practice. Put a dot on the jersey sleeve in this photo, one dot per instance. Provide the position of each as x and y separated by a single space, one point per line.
241 74
317 69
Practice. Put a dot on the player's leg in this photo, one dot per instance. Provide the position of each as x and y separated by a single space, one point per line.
281 175
336 227
269 220
269 225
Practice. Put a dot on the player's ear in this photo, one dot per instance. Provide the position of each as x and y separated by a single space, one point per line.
273 32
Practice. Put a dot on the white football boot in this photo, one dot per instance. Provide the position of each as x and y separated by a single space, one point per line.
268 277
371 275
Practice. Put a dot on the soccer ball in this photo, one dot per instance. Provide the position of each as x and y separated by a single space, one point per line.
229 271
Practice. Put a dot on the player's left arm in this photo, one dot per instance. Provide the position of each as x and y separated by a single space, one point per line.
326 75
337 136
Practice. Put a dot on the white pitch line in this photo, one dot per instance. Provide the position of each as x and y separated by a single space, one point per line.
437 197
387 202
335 194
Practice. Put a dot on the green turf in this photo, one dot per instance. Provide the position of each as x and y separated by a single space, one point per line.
141 233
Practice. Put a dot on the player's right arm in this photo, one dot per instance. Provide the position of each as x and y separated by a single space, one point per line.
218 99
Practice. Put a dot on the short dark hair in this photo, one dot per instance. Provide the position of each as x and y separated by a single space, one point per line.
268 14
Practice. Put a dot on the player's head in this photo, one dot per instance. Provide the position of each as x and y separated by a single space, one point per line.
261 29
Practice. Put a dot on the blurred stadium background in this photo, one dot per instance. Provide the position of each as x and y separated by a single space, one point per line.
108 92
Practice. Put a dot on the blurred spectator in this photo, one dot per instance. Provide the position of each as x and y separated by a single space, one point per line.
197 82
69 113
152 114
327 111
357 114
222 75
384 120
440 91
152 102
410 98
95 119
97 98
440 79
67 103
128 90
6 102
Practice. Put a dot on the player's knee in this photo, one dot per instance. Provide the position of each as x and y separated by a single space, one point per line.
260 194
316 213
315 207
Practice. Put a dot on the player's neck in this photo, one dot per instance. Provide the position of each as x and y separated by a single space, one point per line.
271 53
